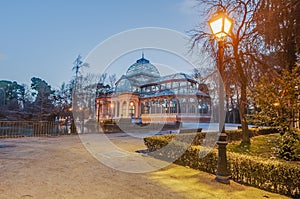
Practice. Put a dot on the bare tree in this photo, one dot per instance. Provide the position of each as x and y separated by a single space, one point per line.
84 105
242 58
112 80
278 22
102 78
78 64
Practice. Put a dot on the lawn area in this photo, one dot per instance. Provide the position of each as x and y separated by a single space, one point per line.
262 146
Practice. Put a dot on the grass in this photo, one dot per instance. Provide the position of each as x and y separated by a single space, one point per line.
190 183
261 146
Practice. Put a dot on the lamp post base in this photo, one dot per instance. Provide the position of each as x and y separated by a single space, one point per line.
222 174
223 179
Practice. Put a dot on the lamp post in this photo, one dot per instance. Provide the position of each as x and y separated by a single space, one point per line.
220 25
112 112
82 119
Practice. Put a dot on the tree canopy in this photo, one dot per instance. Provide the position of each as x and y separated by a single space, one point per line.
277 101
264 40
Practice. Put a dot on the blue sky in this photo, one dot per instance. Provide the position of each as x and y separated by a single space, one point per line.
43 38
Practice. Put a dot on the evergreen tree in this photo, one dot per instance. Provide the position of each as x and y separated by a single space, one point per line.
277 102
11 99
43 105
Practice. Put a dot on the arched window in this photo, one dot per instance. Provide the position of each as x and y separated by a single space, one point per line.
131 109
173 105
192 108
118 109
165 106
203 107
124 110
146 108
182 105
152 109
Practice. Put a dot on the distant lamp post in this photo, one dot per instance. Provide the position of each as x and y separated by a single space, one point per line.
220 25
81 110
276 105
111 111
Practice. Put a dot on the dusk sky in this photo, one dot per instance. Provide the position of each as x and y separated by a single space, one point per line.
43 38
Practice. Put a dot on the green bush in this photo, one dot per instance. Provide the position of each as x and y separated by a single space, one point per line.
271 175
236 135
156 142
289 148
107 121
109 126
266 130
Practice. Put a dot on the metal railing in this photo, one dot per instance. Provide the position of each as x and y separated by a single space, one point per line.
14 129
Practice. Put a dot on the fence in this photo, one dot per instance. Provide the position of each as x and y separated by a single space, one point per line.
14 129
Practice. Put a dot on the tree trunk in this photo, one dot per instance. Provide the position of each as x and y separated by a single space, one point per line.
243 102
243 108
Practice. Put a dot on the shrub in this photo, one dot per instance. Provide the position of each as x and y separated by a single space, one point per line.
271 175
266 130
289 148
236 135
156 142
109 126
107 121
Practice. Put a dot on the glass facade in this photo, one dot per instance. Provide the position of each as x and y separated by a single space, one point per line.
143 93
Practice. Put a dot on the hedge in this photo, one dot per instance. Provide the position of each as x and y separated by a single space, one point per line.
270 175
197 138
126 125
156 142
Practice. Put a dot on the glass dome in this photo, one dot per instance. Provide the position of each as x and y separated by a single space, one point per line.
142 66
124 85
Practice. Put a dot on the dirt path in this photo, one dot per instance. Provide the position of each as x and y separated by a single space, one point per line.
60 167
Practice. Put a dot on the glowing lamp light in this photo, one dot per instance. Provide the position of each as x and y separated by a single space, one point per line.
276 104
220 24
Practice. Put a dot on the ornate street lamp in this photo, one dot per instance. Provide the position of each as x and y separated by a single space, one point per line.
220 25
112 112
